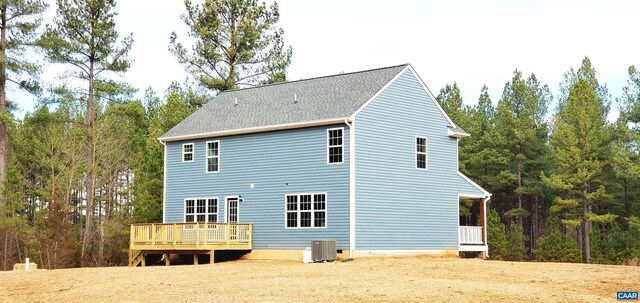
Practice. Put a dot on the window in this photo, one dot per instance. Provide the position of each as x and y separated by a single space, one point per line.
187 152
334 145
213 156
201 210
306 210
421 153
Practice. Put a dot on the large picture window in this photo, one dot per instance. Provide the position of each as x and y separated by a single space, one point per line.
421 153
187 152
335 145
213 156
201 210
306 210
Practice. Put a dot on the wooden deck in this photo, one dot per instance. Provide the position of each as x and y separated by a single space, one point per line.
191 238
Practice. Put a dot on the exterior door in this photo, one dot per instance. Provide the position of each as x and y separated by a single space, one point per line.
232 217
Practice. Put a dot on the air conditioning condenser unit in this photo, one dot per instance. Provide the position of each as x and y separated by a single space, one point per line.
323 250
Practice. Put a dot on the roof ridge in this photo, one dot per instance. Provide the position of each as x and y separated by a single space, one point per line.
313 78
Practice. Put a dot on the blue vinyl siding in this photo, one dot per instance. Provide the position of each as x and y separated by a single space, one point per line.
466 188
399 207
277 163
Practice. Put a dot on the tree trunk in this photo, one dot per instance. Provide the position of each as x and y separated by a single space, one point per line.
579 238
89 182
18 245
519 173
587 230
6 247
3 105
627 203
101 249
535 224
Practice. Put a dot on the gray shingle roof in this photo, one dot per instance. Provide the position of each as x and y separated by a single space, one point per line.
323 98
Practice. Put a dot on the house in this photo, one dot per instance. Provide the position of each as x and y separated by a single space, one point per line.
367 158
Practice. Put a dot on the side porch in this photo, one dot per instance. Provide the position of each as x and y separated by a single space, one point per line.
472 229
186 238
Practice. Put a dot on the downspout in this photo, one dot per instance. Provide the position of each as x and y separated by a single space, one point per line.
352 186
164 182
486 225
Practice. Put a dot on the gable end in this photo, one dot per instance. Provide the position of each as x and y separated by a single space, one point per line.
425 88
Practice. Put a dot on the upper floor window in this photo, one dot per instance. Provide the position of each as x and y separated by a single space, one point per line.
306 210
201 210
421 153
213 156
187 152
334 145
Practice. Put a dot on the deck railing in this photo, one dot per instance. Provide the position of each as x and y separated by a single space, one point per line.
164 236
470 235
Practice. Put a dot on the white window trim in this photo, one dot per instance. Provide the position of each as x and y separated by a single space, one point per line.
329 146
416 153
226 208
193 152
184 209
313 216
207 157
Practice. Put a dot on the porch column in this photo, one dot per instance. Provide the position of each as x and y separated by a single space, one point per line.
483 220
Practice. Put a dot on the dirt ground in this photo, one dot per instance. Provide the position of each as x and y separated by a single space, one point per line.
409 279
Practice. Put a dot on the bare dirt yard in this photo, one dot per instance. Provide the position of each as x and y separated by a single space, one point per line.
408 279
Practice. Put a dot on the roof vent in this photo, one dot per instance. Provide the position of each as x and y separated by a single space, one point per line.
295 98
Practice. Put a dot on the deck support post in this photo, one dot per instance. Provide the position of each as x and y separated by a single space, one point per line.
195 258
144 259
212 257
167 259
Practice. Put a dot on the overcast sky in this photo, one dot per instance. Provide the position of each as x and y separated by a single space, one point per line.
470 42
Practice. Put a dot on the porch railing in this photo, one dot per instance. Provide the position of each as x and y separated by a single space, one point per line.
470 235
163 236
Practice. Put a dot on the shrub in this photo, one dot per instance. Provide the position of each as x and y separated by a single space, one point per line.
612 245
496 236
555 246
517 250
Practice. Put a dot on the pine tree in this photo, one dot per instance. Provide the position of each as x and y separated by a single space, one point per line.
578 142
520 141
19 20
149 178
237 43
84 38
477 154
625 163
588 73
451 102
626 155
